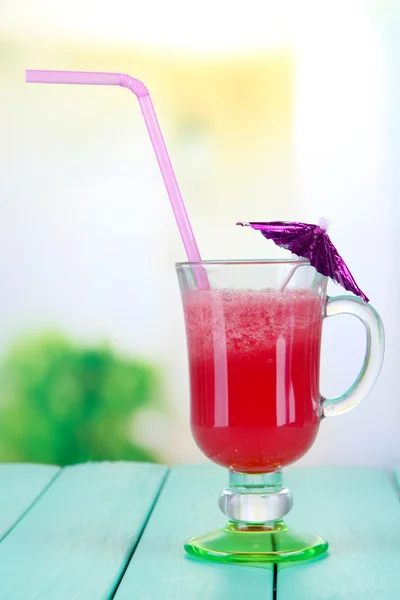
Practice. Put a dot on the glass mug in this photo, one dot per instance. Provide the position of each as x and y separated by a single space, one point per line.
254 340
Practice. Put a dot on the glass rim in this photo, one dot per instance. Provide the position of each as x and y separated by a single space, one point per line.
244 261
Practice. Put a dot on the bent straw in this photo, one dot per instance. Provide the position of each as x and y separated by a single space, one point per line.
157 140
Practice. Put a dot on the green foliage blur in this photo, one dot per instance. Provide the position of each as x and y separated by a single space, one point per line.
61 403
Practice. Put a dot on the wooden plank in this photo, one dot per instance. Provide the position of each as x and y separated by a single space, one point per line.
20 486
159 569
357 510
396 472
76 540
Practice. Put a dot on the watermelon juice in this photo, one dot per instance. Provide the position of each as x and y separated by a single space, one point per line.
254 375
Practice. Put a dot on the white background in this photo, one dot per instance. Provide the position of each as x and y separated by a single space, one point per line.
76 249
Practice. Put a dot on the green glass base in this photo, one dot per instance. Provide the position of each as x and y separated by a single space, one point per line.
241 543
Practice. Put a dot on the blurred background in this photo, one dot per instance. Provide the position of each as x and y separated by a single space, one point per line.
282 110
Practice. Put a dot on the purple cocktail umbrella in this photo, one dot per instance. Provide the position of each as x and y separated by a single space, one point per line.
314 244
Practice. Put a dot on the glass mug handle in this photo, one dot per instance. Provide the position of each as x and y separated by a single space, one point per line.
375 348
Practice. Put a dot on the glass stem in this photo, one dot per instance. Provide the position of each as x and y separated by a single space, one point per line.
258 498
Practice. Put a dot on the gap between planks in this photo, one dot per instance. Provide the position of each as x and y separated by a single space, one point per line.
118 583
32 504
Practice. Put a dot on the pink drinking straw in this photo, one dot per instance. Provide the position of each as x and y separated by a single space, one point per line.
157 140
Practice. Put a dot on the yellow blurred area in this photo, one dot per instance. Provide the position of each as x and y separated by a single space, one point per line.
237 108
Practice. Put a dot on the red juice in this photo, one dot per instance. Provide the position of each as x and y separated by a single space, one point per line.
254 375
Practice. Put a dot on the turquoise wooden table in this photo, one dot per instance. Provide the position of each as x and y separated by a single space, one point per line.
116 530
